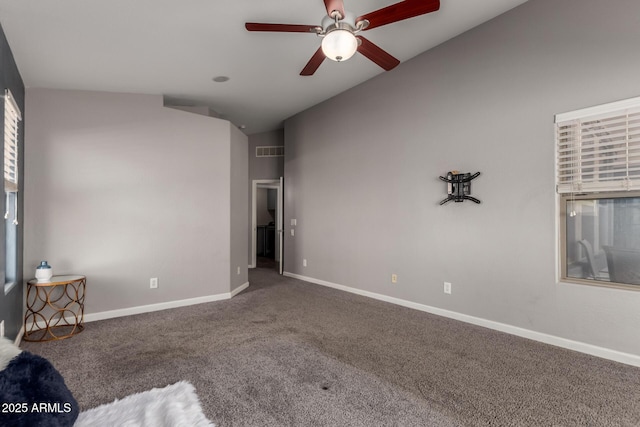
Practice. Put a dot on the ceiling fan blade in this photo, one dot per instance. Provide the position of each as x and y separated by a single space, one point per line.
376 54
399 11
281 28
332 5
313 63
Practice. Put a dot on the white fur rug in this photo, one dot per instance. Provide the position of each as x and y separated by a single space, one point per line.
172 406
7 352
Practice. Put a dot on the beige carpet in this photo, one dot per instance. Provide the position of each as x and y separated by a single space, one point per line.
290 353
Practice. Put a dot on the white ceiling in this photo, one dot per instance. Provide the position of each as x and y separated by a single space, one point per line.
176 47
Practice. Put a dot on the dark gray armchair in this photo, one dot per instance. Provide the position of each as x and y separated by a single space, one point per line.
624 265
596 264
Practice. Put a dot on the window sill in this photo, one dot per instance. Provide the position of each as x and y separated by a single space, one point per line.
9 286
598 283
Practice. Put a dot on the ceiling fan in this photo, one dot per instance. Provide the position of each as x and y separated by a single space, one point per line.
339 28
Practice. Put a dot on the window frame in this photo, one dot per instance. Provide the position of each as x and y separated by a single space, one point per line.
564 200
11 237
591 192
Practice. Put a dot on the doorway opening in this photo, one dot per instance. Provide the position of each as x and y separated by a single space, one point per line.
266 221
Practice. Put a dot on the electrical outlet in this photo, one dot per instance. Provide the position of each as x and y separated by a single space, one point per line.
304 262
238 271
447 287
394 278
293 232
2 328
153 283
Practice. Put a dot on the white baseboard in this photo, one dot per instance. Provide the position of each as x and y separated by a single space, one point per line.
605 353
92 317
130 311
239 289
19 336
110 314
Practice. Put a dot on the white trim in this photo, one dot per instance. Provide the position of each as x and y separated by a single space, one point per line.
618 356
19 336
280 227
130 311
598 109
239 289
261 183
557 219
9 286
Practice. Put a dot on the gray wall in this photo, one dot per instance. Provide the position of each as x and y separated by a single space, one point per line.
11 306
263 167
367 205
239 207
121 189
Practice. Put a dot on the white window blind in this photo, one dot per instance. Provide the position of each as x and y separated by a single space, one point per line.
598 148
11 118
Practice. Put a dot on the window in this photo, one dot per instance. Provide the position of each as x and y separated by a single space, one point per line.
12 118
598 182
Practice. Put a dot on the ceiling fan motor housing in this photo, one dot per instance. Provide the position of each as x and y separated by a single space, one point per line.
339 42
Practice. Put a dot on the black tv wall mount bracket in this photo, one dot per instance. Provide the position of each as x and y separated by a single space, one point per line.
459 187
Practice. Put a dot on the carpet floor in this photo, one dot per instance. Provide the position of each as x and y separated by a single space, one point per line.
289 353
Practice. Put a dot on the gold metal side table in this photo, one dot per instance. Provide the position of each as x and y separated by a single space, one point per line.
55 309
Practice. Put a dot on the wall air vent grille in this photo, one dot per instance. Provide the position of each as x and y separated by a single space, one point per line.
270 151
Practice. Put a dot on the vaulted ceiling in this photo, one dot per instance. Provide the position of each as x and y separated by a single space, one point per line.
176 48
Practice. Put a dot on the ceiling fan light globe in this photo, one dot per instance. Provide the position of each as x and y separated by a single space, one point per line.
339 45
